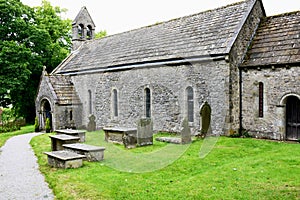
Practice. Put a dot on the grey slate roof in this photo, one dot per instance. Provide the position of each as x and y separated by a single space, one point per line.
277 42
203 34
64 90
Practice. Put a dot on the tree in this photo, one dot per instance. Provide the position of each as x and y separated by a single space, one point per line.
48 18
30 39
100 34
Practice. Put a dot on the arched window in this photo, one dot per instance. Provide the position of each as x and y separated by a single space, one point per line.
261 100
71 115
115 103
148 102
190 104
89 33
80 31
90 102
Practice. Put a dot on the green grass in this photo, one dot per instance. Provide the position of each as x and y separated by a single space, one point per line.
5 136
234 169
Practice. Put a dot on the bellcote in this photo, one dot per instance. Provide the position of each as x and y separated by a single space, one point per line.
83 27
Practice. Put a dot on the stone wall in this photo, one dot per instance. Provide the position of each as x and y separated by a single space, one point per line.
84 84
278 84
45 93
168 94
64 118
61 114
237 55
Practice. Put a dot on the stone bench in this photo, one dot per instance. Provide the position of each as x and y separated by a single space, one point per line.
64 159
116 134
72 132
91 153
57 141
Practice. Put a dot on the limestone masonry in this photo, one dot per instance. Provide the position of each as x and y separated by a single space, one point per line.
244 64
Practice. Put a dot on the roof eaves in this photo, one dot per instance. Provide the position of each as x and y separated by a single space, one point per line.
171 62
268 65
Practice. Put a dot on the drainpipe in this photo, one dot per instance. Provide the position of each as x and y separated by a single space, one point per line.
241 101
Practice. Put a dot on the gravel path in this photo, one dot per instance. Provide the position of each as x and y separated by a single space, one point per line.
20 177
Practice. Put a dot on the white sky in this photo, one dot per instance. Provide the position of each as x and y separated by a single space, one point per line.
117 16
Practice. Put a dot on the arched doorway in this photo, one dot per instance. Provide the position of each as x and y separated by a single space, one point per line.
292 118
45 112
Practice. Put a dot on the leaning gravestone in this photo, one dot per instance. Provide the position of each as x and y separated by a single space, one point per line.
205 114
185 132
92 124
145 132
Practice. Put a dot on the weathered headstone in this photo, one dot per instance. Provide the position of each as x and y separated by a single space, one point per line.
129 140
205 114
92 123
185 132
145 132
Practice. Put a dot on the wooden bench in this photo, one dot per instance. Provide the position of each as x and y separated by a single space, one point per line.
115 134
72 132
57 141
64 159
91 153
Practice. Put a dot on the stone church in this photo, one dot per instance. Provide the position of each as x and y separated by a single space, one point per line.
244 64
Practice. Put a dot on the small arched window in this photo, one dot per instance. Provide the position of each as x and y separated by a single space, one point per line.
80 31
261 100
148 102
115 103
190 104
71 115
90 102
89 33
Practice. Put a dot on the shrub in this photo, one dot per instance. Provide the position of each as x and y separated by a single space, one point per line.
36 125
48 127
9 121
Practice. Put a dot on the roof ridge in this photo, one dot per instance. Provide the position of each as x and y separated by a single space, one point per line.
170 20
283 14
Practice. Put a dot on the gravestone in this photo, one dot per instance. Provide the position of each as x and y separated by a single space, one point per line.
205 114
145 132
92 123
129 140
185 132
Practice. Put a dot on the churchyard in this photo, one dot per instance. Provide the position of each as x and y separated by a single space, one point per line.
236 168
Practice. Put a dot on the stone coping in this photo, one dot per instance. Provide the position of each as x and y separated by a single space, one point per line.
119 129
70 131
64 137
83 147
64 155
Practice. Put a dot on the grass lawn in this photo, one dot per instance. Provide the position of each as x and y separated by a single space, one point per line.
234 169
5 136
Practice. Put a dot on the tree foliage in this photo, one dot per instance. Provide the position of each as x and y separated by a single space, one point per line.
100 34
30 39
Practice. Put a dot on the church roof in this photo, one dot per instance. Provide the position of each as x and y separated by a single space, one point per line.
207 34
64 90
277 42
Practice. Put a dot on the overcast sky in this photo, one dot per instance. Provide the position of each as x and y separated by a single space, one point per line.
117 16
